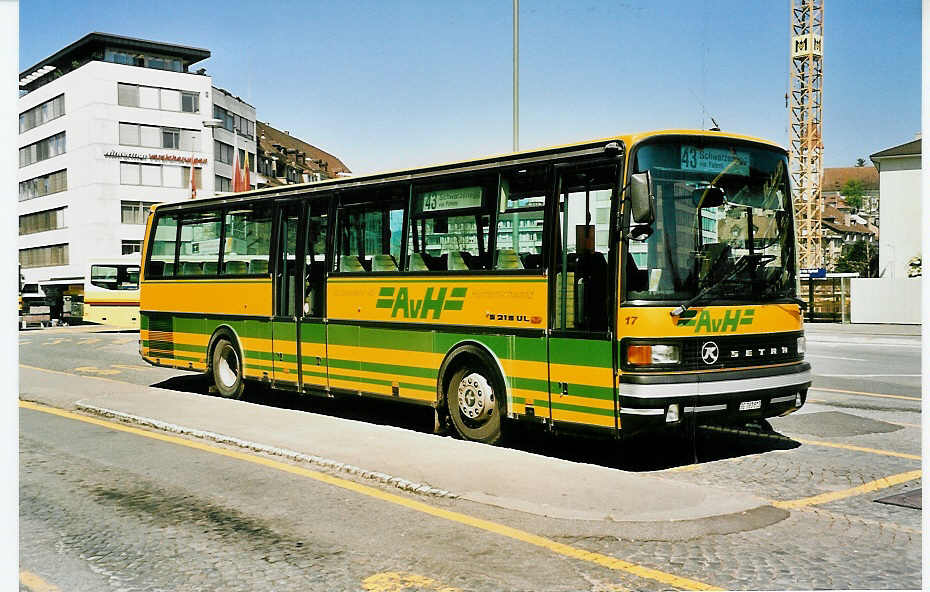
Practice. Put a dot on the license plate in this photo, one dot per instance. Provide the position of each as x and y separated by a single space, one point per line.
750 405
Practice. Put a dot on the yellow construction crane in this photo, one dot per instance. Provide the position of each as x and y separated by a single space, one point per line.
805 109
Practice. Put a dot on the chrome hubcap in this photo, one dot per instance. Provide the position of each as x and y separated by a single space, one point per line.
228 368
476 397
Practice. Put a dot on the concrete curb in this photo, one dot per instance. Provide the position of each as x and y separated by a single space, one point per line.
333 465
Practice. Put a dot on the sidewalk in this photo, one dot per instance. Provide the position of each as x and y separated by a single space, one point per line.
410 460
858 333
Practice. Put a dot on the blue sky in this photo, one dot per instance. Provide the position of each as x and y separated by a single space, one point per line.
386 85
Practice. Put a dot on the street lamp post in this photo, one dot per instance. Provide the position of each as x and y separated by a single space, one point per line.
208 124
516 75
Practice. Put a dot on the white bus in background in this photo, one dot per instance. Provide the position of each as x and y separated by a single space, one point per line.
111 291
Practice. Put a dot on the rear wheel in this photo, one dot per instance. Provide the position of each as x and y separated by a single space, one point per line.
474 405
226 368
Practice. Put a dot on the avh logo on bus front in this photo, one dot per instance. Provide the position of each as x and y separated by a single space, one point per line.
708 322
434 301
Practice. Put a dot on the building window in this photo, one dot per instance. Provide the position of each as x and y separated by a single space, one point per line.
47 111
222 152
150 97
143 60
131 247
42 150
233 122
190 102
151 136
44 185
157 175
42 221
171 137
44 256
222 184
134 212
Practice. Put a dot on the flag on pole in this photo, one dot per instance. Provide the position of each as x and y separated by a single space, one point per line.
193 182
237 176
246 183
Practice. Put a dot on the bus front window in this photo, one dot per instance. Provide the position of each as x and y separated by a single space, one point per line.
723 220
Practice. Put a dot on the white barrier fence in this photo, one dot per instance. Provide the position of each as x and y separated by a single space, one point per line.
880 300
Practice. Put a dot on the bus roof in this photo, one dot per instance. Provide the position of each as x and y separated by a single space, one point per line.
629 140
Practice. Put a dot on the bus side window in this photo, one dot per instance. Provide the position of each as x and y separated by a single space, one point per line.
370 234
451 225
164 241
247 244
520 219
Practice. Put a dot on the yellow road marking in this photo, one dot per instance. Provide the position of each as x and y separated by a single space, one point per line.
28 367
864 394
130 367
412 504
812 442
124 341
907 425
96 370
398 581
56 341
35 583
832 496
89 340
860 449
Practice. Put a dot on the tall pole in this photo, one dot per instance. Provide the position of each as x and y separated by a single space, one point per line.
516 75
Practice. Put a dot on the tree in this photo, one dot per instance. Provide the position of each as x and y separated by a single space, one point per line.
857 258
860 162
852 191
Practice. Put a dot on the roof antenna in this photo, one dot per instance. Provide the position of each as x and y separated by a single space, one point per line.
716 127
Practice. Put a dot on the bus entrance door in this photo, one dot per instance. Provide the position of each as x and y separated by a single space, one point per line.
313 348
580 346
286 366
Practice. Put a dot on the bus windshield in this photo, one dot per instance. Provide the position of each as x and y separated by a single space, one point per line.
723 224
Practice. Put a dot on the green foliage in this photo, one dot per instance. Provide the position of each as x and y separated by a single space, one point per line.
860 162
856 257
852 191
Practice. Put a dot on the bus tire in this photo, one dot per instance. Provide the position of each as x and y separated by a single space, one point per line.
474 399
226 368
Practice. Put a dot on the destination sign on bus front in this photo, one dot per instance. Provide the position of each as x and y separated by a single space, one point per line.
715 160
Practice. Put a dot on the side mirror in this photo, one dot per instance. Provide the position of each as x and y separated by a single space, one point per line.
642 201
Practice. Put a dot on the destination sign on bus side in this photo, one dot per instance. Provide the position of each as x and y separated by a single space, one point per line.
451 199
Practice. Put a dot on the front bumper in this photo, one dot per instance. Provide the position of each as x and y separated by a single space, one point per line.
711 397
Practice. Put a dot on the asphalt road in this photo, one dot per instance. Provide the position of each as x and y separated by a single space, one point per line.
103 509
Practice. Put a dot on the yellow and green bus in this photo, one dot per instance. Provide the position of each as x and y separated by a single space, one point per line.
620 284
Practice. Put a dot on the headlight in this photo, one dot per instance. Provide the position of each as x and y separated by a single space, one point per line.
802 345
648 355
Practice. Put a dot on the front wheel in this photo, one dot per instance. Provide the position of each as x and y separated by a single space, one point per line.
227 369
474 405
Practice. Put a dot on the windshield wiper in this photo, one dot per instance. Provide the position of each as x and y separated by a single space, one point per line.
756 259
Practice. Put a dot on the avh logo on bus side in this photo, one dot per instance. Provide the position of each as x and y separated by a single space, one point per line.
434 301
712 323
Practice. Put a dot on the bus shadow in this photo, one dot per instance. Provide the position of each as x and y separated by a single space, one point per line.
656 451
641 452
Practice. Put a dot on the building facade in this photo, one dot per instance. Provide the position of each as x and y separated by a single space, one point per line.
110 125
899 178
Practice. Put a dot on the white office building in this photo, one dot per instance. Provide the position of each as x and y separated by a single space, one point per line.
108 126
